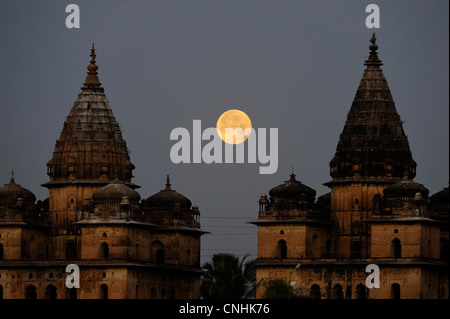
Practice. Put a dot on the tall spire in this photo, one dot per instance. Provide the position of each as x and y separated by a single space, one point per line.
91 144
292 177
92 82
373 59
12 178
168 183
373 143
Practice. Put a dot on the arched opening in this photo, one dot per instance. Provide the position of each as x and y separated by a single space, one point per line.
396 248
361 292
71 293
157 254
71 252
137 251
282 249
314 292
444 249
315 249
30 275
189 257
281 232
395 291
429 248
105 250
30 252
103 291
104 235
355 249
337 292
348 292
328 248
30 292
50 292
2 252
160 256
395 231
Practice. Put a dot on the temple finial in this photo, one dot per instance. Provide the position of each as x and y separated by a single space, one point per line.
92 82
373 59
373 47
116 177
12 177
93 56
406 174
167 183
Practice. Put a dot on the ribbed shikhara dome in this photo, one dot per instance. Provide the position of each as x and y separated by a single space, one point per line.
372 143
91 147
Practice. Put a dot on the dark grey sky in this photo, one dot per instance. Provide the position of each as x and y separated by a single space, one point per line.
294 65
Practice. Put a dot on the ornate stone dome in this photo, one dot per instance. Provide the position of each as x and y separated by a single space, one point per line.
114 192
293 189
405 188
167 198
404 191
440 201
441 196
324 201
10 192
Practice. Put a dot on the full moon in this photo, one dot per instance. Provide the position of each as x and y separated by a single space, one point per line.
233 119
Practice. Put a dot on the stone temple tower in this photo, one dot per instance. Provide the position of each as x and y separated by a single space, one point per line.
89 154
125 247
375 214
372 153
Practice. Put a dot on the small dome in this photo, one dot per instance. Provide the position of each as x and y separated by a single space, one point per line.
115 192
167 198
440 201
325 199
441 196
10 192
293 188
405 188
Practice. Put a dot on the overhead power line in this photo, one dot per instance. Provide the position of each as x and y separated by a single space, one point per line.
233 234
202 217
